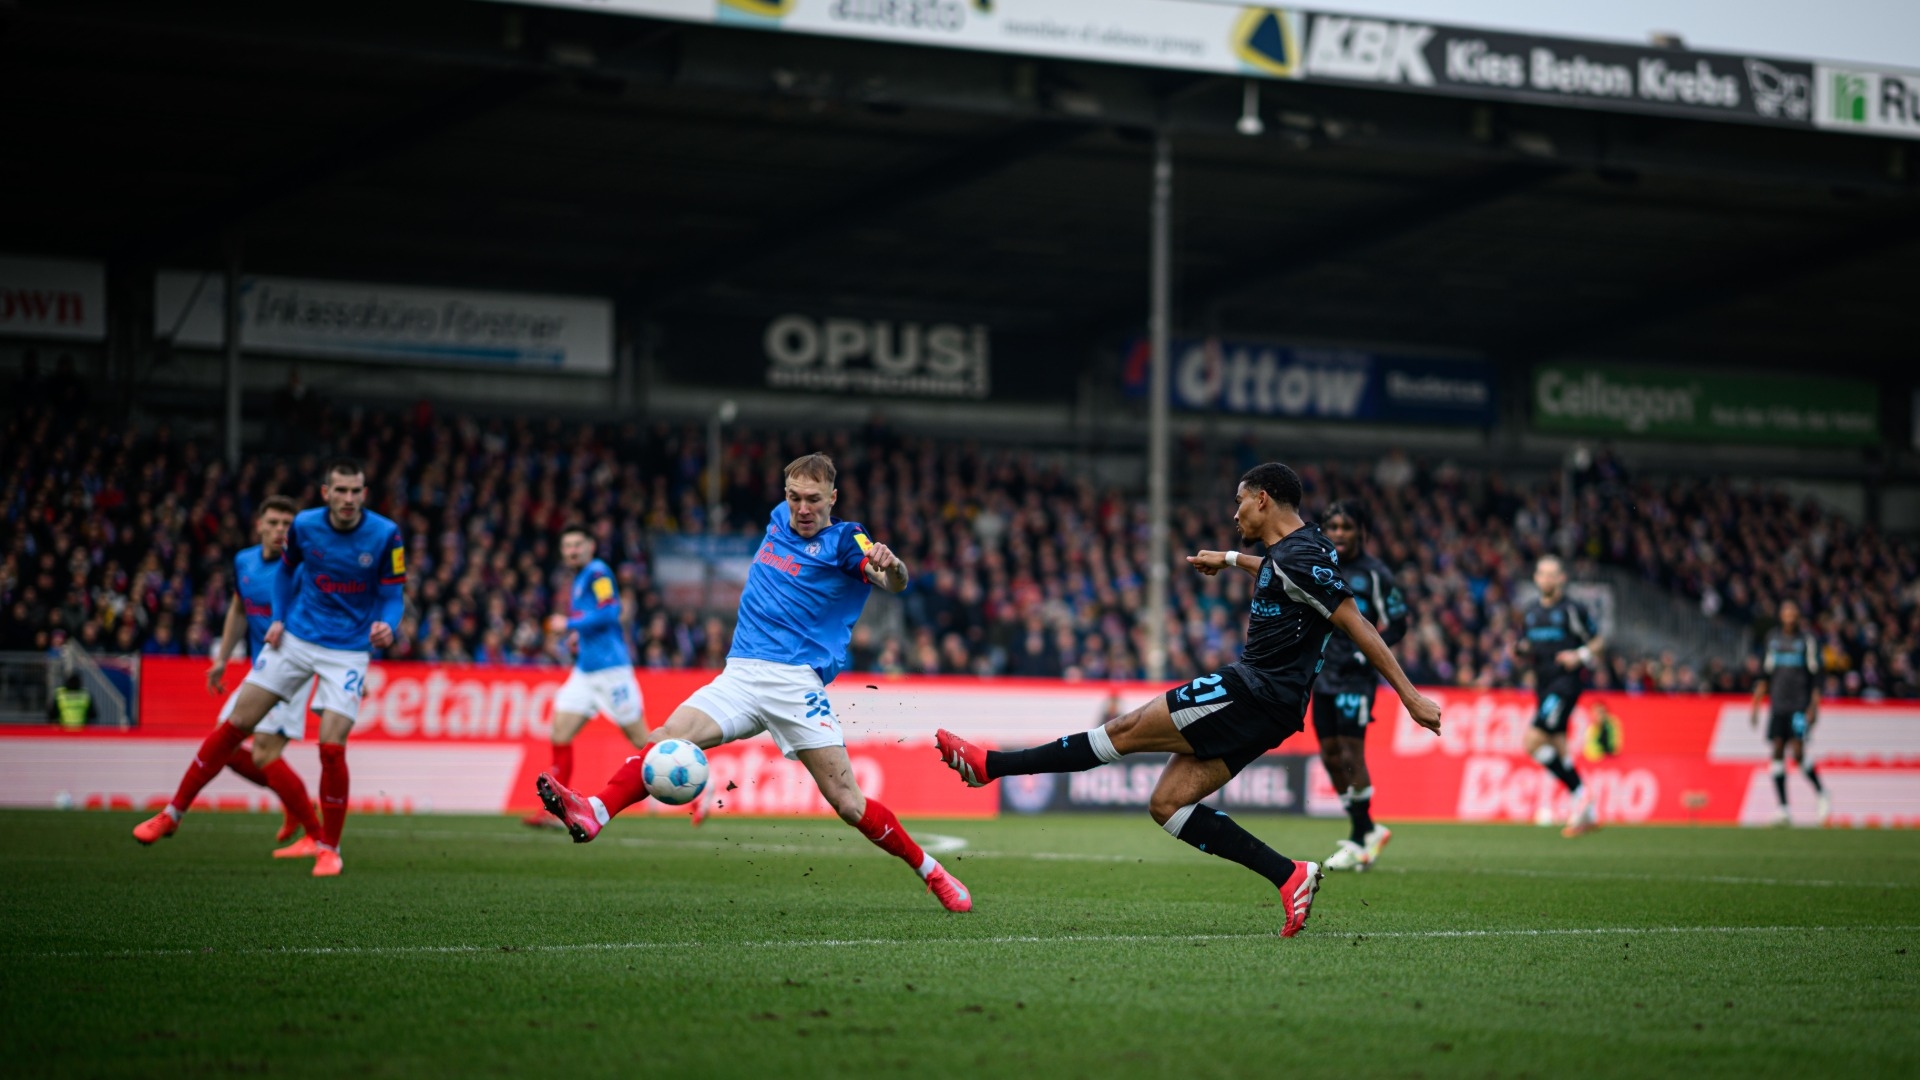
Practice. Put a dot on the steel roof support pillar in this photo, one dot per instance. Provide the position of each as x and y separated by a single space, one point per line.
1158 324
231 338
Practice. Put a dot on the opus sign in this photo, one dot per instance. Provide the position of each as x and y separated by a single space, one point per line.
877 356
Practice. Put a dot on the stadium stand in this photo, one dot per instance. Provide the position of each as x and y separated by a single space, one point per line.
1023 566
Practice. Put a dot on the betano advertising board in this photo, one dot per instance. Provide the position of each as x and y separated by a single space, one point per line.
471 740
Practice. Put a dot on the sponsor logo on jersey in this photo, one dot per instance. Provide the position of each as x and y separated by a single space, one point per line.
783 563
328 585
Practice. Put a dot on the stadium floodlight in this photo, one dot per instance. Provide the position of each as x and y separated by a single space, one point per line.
1250 123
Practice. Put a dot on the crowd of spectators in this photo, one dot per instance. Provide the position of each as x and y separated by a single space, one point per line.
1023 565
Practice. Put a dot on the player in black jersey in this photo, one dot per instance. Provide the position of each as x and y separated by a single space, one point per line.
1793 668
1560 639
1343 694
1217 724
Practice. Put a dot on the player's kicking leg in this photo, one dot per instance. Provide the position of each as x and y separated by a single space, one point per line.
246 709
1176 804
829 765
1546 742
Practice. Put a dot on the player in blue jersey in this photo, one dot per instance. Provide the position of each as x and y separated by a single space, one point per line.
808 583
1220 723
602 681
248 617
339 594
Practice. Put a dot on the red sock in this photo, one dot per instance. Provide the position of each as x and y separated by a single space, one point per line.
563 764
629 784
333 792
241 761
207 763
293 795
880 826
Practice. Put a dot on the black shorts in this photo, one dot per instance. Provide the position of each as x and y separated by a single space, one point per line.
1554 709
1784 724
1222 718
1345 715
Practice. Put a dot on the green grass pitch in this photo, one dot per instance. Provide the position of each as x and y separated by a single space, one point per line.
1099 947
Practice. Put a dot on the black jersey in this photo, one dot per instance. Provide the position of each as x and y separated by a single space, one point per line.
1381 604
1549 631
1793 663
1299 586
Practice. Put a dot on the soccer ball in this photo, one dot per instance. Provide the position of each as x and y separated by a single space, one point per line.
676 772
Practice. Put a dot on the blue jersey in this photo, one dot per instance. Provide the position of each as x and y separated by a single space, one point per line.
594 614
803 596
253 582
335 585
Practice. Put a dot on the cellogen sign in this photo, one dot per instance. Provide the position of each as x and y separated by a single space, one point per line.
1619 399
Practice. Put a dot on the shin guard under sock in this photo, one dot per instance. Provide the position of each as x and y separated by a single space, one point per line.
1560 767
1070 753
1217 834
880 826
334 786
1813 778
628 785
207 763
1360 812
241 762
293 795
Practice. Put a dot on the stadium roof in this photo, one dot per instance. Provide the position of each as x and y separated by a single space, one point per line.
696 173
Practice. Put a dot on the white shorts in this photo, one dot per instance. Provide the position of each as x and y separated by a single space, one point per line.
283 672
784 700
613 691
288 718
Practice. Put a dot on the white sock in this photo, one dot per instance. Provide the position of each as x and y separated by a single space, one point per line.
928 864
172 813
599 809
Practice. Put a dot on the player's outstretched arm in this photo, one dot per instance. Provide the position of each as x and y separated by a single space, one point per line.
1212 562
886 569
1348 620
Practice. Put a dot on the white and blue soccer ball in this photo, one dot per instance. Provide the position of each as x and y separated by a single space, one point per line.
676 772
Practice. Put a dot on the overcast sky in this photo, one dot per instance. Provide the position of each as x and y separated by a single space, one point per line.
1875 31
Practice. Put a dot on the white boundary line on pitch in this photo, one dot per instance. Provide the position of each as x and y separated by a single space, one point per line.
1010 939
944 844
1695 879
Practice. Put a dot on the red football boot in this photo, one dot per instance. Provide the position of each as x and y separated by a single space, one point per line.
304 848
1296 896
953 895
570 807
962 757
158 827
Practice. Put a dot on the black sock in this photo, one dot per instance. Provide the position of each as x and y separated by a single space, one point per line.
1813 778
1563 771
1217 834
1780 785
1360 812
1070 753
